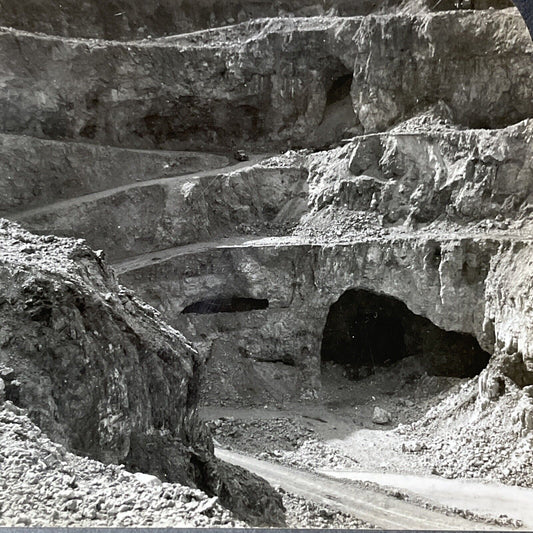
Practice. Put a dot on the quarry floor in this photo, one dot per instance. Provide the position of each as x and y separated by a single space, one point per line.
329 451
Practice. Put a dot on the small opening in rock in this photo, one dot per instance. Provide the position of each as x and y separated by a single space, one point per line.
340 89
226 305
365 330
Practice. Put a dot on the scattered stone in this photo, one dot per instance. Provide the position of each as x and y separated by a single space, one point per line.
147 479
103 497
381 416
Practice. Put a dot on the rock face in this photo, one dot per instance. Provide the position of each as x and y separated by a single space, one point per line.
270 83
36 172
421 172
413 234
159 214
178 91
443 57
101 373
442 280
123 20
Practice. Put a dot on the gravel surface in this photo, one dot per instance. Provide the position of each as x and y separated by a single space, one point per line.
259 436
41 484
302 513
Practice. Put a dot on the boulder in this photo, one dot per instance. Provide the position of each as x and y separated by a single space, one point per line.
381 416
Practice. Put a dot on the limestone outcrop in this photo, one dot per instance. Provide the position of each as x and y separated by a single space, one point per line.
423 171
273 83
163 213
470 62
37 172
123 20
101 373
408 233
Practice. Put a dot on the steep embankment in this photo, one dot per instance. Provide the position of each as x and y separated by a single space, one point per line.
101 373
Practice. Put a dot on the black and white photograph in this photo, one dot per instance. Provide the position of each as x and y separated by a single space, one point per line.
266 264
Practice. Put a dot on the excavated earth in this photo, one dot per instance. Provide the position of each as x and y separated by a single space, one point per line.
330 206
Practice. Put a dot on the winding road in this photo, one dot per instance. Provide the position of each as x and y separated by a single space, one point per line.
384 511
91 197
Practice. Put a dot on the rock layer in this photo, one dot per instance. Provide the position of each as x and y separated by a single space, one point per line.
101 373
36 172
122 20
268 84
472 63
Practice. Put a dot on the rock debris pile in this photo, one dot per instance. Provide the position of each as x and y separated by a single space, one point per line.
44 485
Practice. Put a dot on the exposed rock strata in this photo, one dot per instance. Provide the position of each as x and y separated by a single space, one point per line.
101 373
123 20
155 215
37 172
301 281
421 172
268 83
472 63
417 173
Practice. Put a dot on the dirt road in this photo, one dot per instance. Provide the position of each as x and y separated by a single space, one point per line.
478 497
384 511
87 198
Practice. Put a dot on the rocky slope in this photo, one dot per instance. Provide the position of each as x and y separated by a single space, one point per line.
43 485
448 57
102 374
36 172
162 213
419 213
414 224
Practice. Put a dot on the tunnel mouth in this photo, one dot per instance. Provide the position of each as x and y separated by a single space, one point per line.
339 89
234 304
365 331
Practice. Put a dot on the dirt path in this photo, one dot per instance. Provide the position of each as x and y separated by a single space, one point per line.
127 265
480 498
21 215
384 511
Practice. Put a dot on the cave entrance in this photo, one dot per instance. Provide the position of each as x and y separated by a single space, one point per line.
338 118
365 330
225 305
339 89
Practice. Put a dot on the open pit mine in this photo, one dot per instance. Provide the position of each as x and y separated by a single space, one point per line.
266 263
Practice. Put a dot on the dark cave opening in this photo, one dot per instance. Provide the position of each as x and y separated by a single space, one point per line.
226 305
340 89
365 330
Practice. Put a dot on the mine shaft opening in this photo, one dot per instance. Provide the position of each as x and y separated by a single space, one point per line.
365 331
226 305
339 89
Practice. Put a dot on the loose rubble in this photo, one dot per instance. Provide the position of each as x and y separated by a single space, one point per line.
43 485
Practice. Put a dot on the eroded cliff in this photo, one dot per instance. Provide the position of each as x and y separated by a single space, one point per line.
101 373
